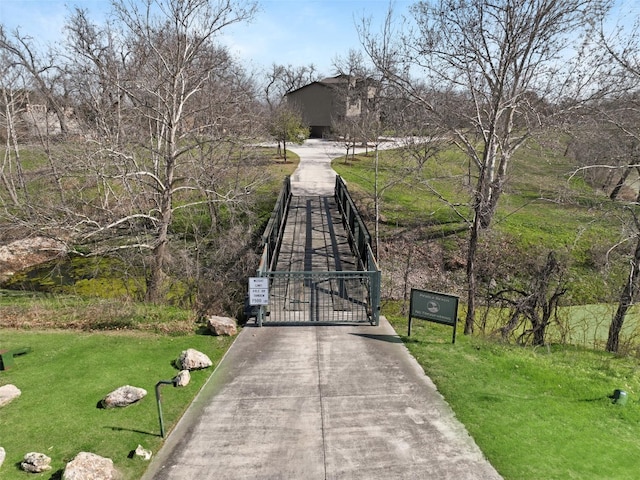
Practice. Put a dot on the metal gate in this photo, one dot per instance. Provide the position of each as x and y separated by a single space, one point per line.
321 298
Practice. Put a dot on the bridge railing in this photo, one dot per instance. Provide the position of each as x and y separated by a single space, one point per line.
359 236
272 236
309 288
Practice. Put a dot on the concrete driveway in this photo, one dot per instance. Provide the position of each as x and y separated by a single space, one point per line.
314 175
316 403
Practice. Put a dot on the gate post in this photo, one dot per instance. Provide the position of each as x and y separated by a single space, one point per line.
375 297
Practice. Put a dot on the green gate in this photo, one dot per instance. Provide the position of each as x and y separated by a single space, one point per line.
320 297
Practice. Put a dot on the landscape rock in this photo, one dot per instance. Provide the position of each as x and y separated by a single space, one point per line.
35 462
8 393
21 254
222 325
143 453
123 397
89 466
192 359
182 379
3 455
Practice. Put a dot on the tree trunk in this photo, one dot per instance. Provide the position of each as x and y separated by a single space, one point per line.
620 184
471 276
539 331
626 300
157 275
284 148
155 282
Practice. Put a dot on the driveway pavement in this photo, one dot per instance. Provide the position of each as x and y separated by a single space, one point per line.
318 402
314 175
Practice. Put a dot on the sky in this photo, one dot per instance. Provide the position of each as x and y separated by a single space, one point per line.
288 32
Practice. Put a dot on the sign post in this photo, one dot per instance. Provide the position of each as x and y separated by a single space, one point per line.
259 294
435 307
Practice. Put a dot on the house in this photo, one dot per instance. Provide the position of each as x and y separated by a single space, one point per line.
326 103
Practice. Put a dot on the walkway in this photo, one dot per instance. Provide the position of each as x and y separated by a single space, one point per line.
317 402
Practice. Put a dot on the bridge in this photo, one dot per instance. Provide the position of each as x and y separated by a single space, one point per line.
317 256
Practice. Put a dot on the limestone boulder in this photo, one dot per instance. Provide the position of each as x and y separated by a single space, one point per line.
8 393
35 462
182 379
143 453
21 254
222 325
192 359
123 397
89 466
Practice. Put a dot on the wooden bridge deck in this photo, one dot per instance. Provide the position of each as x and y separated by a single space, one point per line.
315 239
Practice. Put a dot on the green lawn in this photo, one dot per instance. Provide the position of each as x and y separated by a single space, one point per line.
537 414
65 376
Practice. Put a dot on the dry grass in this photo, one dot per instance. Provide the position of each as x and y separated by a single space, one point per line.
75 313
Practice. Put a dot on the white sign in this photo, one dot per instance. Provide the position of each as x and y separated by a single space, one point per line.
258 291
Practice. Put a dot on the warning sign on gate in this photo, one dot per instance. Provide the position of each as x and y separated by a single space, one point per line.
258 291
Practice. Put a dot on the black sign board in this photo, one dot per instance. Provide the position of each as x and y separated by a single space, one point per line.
435 307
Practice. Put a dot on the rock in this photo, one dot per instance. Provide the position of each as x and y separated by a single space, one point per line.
192 359
89 466
222 325
123 397
34 462
143 453
182 379
3 455
8 393
21 254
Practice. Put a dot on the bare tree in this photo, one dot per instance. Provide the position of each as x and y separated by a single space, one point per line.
360 95
96 65
535 304
173 94
628 295
13 101
283 79
44 70
622 113
284 122
486 59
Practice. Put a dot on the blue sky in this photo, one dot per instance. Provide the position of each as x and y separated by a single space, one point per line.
296 32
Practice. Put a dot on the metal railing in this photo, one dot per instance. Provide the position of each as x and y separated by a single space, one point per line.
272 235
359 237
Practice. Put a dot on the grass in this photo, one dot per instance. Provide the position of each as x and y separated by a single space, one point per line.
68 372
36 310
537 414
539 206
83 348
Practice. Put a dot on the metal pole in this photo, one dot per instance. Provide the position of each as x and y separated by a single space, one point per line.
159 401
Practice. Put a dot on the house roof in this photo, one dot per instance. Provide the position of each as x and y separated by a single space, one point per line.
328 82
